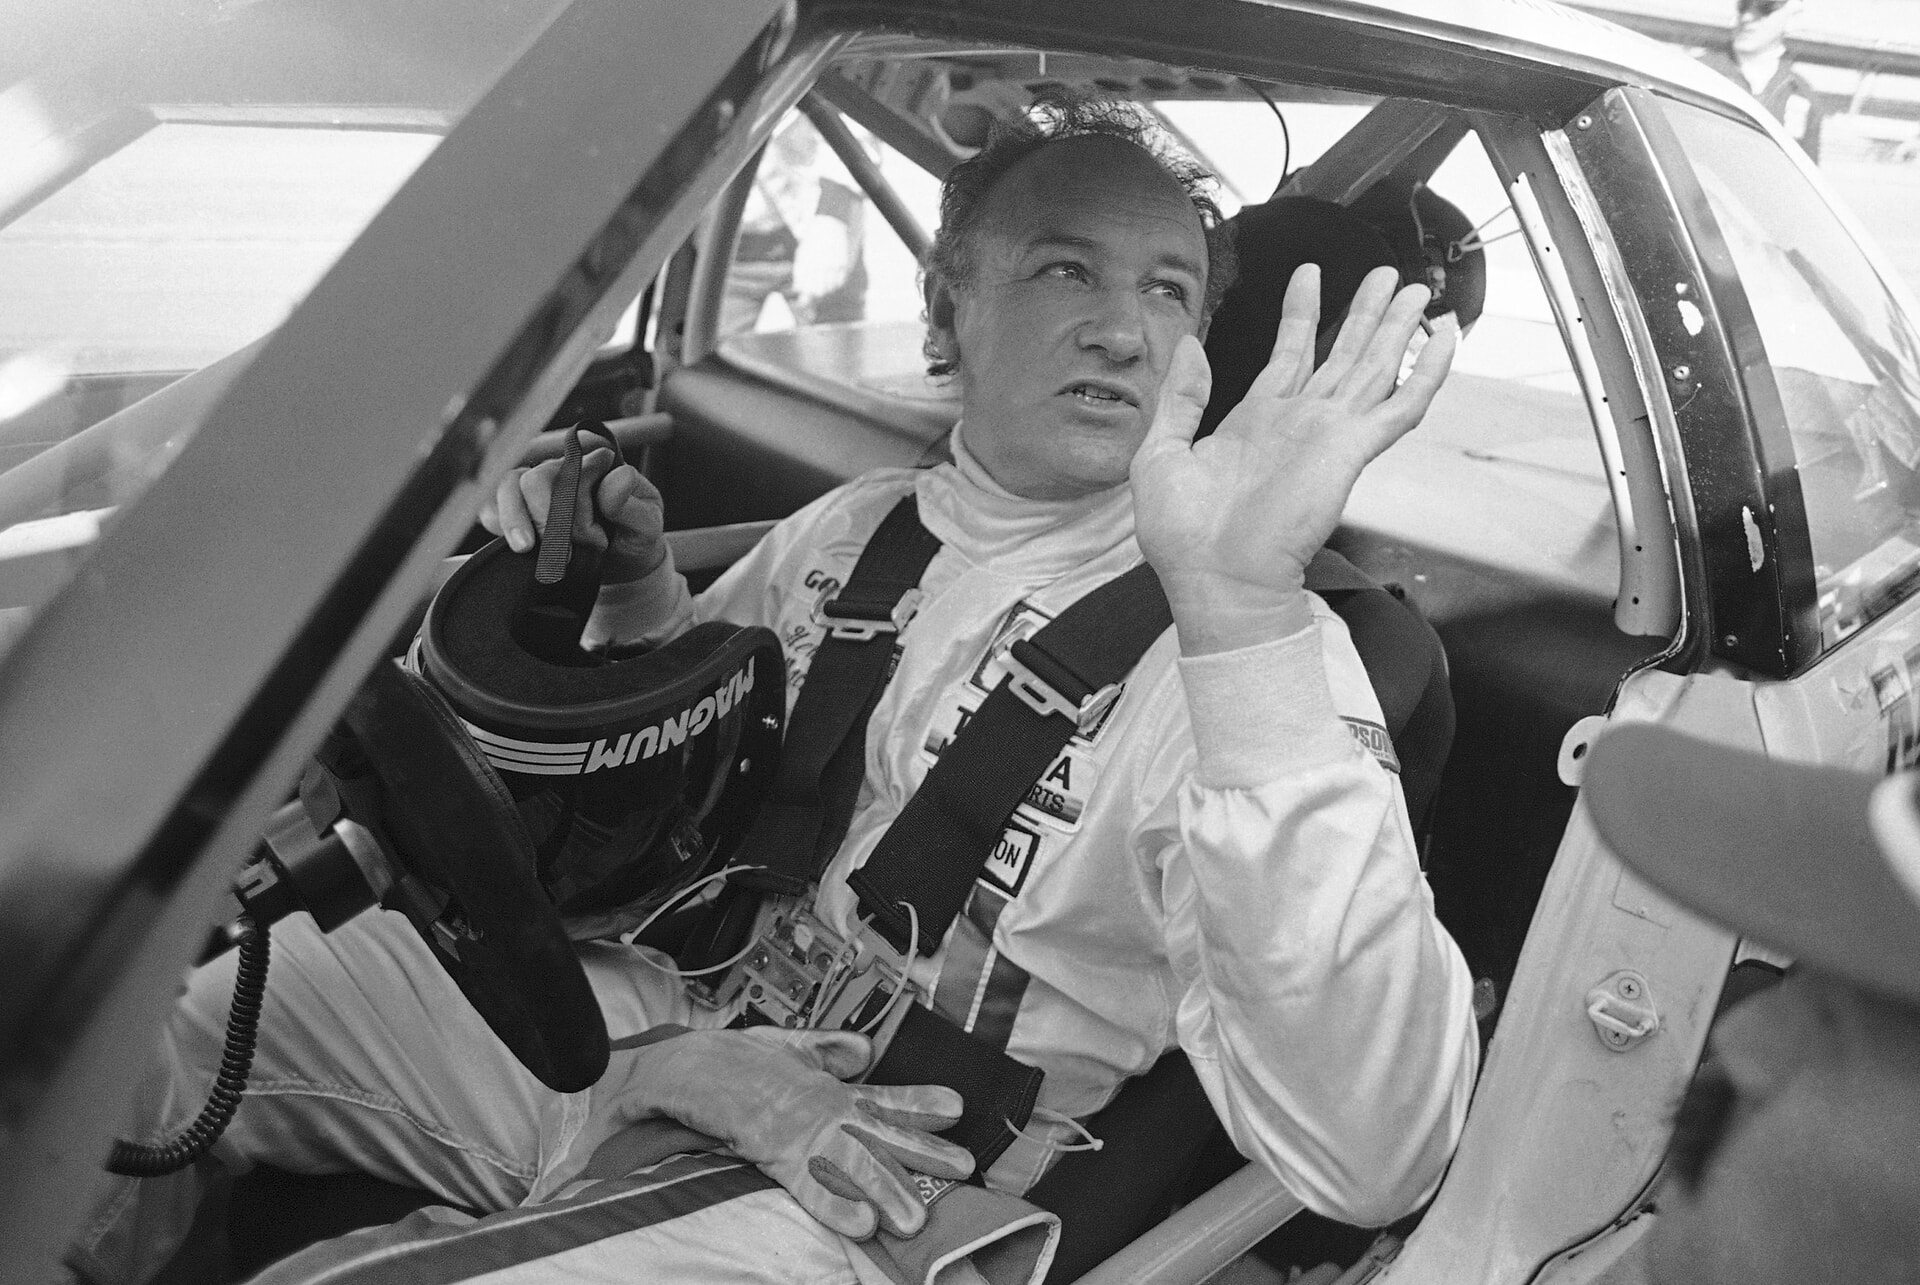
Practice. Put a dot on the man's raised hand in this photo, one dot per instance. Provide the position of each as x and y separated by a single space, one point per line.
1230 522
627 517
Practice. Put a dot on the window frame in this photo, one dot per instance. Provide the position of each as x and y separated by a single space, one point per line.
1757 612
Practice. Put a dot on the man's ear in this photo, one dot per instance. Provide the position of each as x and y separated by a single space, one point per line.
942 343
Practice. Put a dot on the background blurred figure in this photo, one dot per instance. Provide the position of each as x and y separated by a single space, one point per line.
798 260
1796 1151
1759 62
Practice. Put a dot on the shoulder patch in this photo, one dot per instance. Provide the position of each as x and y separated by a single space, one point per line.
1374 740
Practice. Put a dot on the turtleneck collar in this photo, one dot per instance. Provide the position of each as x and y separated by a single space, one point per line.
987 524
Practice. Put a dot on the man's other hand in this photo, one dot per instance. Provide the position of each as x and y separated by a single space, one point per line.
627 518
1231 521
779 1098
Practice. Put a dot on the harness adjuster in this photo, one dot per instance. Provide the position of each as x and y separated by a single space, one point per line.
1037 679
850 622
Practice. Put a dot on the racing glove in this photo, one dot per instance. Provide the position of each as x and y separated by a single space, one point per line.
643 599
619 515
779 1098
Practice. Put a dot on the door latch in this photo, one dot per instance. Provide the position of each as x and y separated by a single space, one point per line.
1621 1009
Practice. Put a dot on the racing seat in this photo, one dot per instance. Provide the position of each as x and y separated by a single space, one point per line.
1162 1141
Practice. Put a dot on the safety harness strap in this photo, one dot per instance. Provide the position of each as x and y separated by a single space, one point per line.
810 802
1059 681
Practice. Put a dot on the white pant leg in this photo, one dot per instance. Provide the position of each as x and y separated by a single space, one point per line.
692 1219
369 1060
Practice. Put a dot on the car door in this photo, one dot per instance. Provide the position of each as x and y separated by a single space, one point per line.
1777 369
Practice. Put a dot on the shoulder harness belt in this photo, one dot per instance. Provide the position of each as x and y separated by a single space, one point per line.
810 802
1059 681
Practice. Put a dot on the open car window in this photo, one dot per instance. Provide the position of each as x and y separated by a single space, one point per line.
819 281
191 241
1511 419
159 219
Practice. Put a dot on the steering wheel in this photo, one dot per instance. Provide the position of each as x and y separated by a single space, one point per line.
401 765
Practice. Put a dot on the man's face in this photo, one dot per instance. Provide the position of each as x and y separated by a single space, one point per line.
1090 264
1803 1162
1759 25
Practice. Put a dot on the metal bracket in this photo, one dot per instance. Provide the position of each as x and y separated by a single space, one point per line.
859 629
1621 1010
1044 698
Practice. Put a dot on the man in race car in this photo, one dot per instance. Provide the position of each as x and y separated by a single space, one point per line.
1227 868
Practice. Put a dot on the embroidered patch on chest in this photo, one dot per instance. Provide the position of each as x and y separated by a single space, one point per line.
1374 740
1011 859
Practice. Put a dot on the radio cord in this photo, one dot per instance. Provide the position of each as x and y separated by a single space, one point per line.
141 1160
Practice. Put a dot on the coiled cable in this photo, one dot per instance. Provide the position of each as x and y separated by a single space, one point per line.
141 1160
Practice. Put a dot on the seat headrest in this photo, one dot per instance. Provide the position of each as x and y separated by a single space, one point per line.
1432 242
1273 239
1422 235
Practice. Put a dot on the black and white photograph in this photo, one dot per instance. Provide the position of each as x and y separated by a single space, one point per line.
959 642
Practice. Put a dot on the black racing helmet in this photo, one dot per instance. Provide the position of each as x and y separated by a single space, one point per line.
636 774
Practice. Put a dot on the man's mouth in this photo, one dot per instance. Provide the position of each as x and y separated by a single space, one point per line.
1093 393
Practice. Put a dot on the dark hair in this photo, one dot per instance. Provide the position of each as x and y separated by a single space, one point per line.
1054 118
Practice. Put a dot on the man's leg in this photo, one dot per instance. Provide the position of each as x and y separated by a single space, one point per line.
688 1218
369 1060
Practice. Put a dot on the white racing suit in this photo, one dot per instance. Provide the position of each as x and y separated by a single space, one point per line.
1221 862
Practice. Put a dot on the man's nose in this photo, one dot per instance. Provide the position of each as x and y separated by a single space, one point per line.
1117 326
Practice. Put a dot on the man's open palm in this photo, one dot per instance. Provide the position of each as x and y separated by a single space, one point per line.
1231 521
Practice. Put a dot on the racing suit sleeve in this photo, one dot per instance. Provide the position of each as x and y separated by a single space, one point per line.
1326 1010
659 606
652 609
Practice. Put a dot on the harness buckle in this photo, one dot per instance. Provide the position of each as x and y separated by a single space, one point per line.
843 624
802 975
1042 697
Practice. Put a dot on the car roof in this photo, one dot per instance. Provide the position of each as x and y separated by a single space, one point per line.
1559 36
424 61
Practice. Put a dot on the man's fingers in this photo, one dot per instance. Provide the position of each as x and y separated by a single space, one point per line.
1373 377
852 1167
1291 363
841 1054
628 498
918 1106
1396 416
834 1199
1416 393
1357 331
1182 401
594 465
520 507
916 1149
637 519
